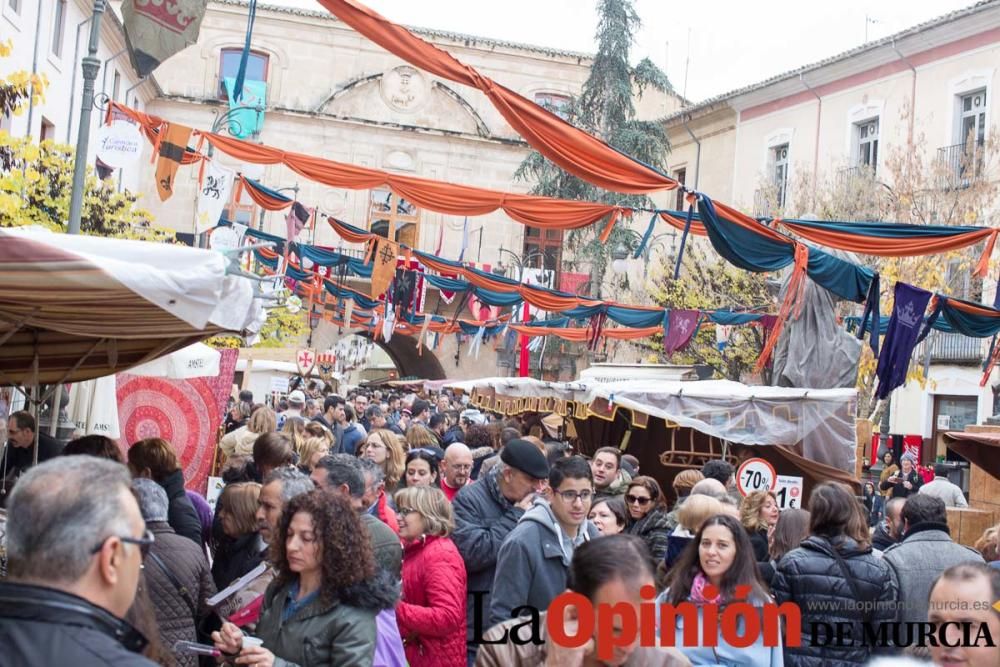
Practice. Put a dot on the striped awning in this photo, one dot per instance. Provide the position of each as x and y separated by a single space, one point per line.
77 307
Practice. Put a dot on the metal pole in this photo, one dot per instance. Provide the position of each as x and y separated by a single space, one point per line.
91 66
34 68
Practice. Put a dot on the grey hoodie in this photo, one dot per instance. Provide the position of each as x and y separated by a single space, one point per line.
533 562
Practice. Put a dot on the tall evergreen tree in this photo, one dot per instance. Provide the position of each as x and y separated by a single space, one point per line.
605 108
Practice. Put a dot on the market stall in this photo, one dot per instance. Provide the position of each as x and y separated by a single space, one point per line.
672 426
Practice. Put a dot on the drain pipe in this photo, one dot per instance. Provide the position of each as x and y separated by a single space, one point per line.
697 155
72 84
913 92
34 69
819 114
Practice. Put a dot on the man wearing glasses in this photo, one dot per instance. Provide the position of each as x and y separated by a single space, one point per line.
75 544
535 557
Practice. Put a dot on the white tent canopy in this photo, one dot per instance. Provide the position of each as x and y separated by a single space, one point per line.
822 420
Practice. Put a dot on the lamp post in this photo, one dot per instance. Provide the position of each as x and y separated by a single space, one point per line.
91 65
622 251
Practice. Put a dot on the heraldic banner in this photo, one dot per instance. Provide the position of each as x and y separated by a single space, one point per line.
185 413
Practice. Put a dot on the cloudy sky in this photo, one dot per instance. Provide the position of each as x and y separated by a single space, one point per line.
730 44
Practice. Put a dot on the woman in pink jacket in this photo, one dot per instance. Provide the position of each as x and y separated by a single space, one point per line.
431 613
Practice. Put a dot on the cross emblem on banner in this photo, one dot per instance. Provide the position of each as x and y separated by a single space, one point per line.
305 360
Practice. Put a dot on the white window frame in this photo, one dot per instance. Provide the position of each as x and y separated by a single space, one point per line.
960 114
967 83
782 161
13 16
61 28
860 140
772 142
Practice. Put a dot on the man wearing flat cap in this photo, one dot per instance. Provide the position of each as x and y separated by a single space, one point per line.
485 512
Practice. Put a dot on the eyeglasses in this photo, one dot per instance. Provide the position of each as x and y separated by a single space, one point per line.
145 543
641 500
403 511
571 496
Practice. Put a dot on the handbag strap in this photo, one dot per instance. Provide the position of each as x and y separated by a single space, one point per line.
866 614
181 588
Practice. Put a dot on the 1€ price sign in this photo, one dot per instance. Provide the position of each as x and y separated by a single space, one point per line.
755 475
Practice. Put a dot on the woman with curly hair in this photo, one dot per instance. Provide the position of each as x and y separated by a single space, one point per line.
759 513
321 608
382 447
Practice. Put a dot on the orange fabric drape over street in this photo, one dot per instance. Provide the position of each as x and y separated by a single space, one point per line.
536 211
569 147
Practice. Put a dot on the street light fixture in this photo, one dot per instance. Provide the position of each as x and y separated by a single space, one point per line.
618 257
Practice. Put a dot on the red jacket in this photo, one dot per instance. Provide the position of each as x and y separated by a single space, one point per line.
431 613
385 513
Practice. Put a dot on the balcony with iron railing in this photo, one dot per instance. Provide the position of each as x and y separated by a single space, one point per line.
951 348
962 164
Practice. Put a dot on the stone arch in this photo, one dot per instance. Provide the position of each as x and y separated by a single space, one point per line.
409 361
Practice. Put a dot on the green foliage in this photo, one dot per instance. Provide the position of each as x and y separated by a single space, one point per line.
708 283
605 109
36 186
282 329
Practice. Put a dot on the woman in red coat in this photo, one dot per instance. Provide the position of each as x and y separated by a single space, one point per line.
431 613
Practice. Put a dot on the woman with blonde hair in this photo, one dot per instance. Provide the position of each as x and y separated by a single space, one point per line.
244 550
311 451
295 428
382 447
694 512
431 613
418 436
759 513
240 442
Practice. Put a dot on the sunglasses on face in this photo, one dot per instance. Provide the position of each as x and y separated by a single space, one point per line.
145 543
641 500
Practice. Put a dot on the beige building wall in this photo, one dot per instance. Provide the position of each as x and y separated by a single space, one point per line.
332 93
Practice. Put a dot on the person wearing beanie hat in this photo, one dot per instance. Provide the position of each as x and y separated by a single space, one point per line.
485 513
907 481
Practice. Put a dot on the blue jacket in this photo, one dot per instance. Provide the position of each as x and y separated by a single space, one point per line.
756 655
351 439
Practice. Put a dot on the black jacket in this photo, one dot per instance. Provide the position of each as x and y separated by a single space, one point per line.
181 514
483 518
653 530
761 553
881 539
238 557
15 461
900 491
811 577
43 626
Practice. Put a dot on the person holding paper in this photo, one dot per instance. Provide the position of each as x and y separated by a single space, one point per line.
321 608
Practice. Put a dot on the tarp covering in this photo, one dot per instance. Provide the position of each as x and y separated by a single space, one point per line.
85 306
820 420
815 351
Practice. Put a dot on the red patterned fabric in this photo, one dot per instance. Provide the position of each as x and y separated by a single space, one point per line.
186 413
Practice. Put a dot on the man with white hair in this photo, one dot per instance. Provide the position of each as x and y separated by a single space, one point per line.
75 547
455 469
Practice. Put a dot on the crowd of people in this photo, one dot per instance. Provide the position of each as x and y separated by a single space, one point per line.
378 529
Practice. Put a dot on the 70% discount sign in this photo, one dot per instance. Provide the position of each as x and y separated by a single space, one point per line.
759 475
